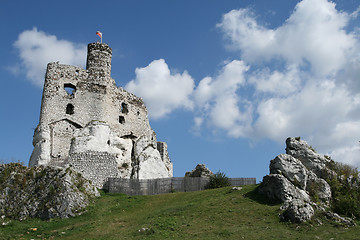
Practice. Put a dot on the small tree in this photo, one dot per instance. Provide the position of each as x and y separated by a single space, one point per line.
218 180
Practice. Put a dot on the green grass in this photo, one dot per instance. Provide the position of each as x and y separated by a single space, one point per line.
210 214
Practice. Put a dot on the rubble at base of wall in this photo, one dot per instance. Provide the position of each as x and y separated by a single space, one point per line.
165 185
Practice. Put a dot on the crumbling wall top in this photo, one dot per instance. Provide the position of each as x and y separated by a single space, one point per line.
98 63
100 47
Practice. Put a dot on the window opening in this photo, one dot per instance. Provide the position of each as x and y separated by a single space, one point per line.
70 89
124 108
121 119
70 109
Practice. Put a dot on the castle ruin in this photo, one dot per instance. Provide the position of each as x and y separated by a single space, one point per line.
98 129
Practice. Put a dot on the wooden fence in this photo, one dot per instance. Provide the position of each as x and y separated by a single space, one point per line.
165 185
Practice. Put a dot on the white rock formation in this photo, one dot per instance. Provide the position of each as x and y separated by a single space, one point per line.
140 160
292 169
151 165
295 179
278 187
296 172
41 153
297 211
313 161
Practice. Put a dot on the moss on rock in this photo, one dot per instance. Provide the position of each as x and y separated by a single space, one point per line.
43 192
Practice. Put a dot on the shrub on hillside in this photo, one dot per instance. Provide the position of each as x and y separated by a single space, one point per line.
218 180
345 189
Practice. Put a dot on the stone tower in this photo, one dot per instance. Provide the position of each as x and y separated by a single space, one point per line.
97 128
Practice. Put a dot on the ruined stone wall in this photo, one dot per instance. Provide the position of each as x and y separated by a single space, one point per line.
100 129
87 100
74 97
126 114
95 166
55 97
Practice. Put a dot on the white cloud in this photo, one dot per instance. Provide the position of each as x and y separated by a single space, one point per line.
218 102
162 90
319 111
355 14
348 155
314 33
312 90
241 28
37 49
351 71
277 82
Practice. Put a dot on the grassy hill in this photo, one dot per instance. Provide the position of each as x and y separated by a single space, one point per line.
211 214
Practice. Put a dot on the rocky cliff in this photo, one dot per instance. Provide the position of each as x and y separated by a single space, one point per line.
43 192
300 180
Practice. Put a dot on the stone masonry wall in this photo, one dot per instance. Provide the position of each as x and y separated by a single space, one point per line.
89 101
95 166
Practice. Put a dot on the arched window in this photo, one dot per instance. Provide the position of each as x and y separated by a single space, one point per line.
70 89
70 109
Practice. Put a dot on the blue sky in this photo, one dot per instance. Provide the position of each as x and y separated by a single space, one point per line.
225 82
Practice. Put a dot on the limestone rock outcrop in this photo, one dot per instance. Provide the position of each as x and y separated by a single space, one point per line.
149 163
296 180
107 155
313 161
278 187
297 211
200 171
43 192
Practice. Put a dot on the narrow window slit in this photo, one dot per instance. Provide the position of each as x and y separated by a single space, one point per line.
121 119
70 109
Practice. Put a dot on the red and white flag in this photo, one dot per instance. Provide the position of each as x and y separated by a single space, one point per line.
99 34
